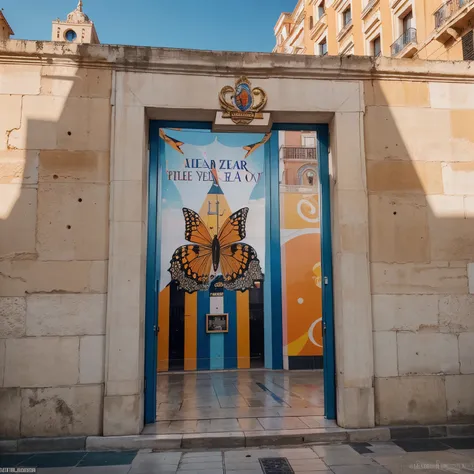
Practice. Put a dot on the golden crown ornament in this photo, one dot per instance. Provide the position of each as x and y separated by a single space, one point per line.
241 103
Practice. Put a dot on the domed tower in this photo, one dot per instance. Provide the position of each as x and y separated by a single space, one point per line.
77 28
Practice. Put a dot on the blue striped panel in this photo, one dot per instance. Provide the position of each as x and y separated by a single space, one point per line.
152 275
267 284
230 346
275 255
203 342
217 351
326 263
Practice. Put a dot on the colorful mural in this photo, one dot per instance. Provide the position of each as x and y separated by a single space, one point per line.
301 273
212 246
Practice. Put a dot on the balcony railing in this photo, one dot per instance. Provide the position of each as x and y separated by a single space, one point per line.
447 10
407 37
299 153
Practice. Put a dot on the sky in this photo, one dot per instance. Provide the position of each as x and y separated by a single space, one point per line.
243 25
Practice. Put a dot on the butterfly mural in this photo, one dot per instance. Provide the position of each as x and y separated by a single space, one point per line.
194 266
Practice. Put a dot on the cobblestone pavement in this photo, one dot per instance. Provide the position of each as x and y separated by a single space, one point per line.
455 455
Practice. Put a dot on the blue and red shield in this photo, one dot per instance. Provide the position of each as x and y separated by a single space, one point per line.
243 97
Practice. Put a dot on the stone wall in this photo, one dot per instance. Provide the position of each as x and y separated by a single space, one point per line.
54 200
401 166
419 144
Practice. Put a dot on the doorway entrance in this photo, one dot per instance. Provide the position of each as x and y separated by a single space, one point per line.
225 265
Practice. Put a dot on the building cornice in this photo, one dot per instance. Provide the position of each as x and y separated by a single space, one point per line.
319 27
370 6
372 23
283 19
231 64
344 32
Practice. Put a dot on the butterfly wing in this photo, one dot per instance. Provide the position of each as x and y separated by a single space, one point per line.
172 142
233 229
190 266
196 231
240 266
251 148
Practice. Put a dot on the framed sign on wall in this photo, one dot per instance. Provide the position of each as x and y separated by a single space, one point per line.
217 323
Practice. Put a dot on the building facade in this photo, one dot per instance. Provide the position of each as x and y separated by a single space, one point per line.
75 171
425 29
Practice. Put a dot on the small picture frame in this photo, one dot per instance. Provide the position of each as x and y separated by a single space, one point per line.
217 323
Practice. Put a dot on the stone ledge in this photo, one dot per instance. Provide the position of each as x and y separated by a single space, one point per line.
224 440
213 440
228 63
113 443
69 443
8 446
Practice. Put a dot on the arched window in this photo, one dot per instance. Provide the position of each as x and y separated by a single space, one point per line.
307 175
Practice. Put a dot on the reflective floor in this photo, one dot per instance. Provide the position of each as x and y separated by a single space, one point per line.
241 400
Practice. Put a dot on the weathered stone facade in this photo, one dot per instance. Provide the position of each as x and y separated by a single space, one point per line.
420 181
73 197
54 187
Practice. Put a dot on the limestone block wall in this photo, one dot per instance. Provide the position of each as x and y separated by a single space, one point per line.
419 143
54 200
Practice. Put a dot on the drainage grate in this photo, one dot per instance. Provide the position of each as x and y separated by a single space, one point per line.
276 466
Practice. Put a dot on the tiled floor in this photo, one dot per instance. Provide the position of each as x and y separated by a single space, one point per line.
416 456
244 400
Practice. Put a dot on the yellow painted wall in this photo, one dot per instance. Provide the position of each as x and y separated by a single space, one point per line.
331 32
423 10
357 37
387 27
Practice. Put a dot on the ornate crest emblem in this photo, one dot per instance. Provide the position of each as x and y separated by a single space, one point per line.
242 104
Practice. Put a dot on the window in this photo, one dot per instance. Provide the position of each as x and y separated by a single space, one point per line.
308 178
70 35
321 10
309 141
311 22
376 47
407 21
323 48
468 46
346 16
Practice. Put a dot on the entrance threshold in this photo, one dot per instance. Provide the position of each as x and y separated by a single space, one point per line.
242 408
199 441
238 400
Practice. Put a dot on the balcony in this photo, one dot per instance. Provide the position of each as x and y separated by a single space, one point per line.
370 6
318 28
299 153
451 18
345 29
405 46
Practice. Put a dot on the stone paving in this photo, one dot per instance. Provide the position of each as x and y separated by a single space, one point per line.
454 455
233 401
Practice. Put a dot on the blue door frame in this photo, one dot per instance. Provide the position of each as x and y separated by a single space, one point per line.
272 172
